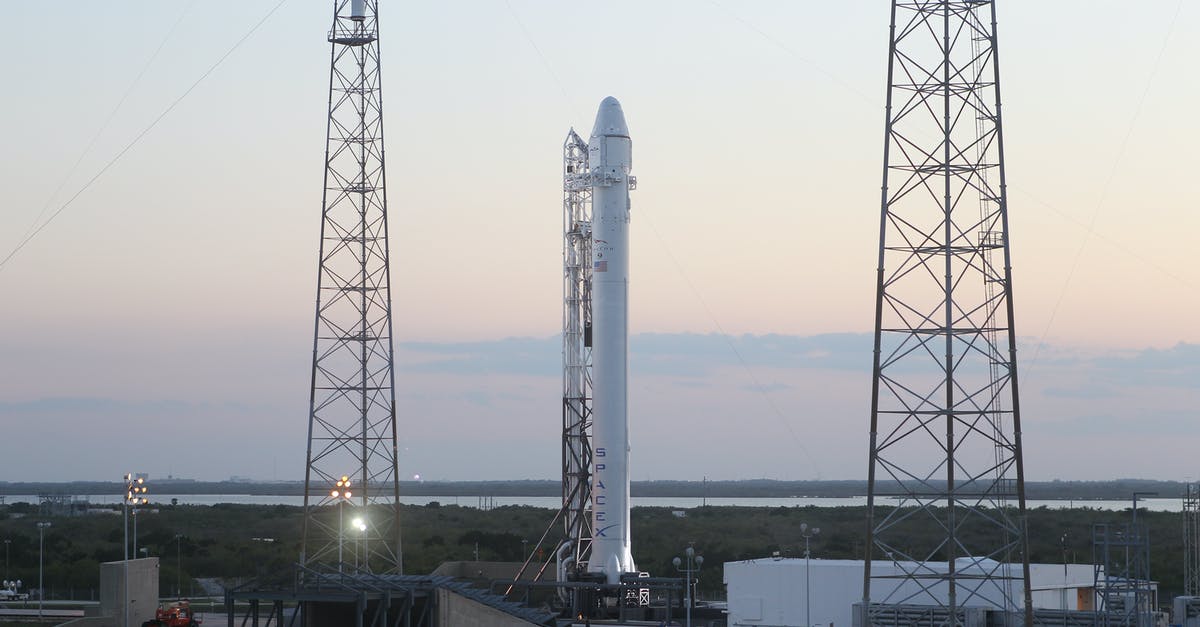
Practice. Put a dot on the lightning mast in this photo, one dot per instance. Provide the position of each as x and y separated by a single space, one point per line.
945 433
352 406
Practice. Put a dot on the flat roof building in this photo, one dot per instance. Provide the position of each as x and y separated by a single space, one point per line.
773 591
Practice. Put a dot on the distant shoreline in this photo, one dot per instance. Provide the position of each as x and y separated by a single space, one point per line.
766 488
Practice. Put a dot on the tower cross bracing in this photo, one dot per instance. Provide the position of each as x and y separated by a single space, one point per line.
352 408
576 354
946 499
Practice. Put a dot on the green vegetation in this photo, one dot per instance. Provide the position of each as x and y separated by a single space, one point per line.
1117 489
236 542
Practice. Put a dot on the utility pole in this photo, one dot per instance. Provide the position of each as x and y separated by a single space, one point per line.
178 566
41 527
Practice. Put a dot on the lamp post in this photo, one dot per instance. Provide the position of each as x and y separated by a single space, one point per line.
690 564
341 492
41 527
178 566
6 543
807 534
361 526
134 488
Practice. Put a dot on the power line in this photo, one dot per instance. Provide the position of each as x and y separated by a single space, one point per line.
1104 191
139 136
545 62
758 386
112 114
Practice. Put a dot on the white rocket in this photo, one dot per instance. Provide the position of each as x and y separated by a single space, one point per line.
610 154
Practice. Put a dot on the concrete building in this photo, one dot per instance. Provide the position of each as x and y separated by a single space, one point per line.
143 590
773 591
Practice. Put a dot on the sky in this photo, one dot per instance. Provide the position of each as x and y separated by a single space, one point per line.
161 320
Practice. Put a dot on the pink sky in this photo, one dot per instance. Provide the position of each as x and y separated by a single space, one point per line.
186 273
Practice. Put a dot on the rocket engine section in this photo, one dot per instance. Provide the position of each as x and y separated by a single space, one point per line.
610 159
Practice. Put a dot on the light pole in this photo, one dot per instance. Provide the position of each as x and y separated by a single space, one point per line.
341 492
807 534
689 565
6 543
178 566
1063 542
361 526
41 527
134 487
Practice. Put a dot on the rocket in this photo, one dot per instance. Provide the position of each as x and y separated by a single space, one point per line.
609 160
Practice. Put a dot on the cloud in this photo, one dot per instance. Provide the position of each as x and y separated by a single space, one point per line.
514 355
768 387
1127 423
747 404
1113 374
1090 389
675 354
109 406
1178 366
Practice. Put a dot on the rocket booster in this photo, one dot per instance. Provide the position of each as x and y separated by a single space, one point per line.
610 160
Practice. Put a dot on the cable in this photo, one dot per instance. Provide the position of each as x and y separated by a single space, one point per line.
1112 174
571 105
1089 228
112 114
758 386
782 46
139 136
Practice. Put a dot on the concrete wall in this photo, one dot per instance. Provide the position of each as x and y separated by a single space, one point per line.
143 590
772 592
458 611
1059 588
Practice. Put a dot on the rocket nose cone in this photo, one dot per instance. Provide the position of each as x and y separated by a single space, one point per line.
610 119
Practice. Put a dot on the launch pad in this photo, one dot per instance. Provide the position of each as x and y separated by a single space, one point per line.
595 601
320 596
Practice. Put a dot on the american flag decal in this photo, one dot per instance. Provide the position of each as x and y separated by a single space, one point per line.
600 266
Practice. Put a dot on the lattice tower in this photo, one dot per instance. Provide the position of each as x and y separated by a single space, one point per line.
352 416
577 353
946 500
1121 562
1191 540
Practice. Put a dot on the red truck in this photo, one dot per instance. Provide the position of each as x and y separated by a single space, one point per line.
178 614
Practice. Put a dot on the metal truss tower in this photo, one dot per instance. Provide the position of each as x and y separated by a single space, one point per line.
946 499
1121 557
352 415
577 358
1191 540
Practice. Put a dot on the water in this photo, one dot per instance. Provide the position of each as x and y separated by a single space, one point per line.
553 502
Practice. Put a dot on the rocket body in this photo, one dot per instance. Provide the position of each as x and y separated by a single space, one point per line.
610 162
